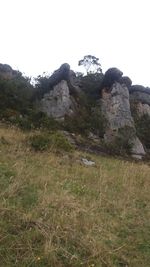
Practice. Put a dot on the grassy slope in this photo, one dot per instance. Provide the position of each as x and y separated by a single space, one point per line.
56 212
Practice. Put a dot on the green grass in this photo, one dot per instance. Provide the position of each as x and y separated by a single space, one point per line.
56 212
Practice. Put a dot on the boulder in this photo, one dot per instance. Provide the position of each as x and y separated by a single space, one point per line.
111 75
61 74
127 81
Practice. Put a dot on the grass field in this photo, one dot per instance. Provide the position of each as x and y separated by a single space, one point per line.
56 212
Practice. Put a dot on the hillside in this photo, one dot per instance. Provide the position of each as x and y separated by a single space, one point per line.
106 107
58 212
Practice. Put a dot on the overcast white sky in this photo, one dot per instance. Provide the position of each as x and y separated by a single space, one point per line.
40 35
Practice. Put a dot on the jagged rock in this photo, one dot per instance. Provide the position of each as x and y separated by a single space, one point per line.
137 149
61 74
116 109
140 94
60 97
139 88
58 102
140 98
111 75
116 106
142 109
6 71
73 78
126 80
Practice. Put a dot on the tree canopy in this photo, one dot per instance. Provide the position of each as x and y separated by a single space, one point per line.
91 64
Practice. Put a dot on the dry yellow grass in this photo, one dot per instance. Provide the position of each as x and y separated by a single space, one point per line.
54 211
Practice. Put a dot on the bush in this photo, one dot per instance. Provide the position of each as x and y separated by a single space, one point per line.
15 94
90 84
142 125
41 120
87 120
122 144
40 142
30 120
77 124
143 129
97 121
45 141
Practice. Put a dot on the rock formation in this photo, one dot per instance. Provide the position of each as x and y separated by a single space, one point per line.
115 106
58 102
111 75
58 99
140 96
6 72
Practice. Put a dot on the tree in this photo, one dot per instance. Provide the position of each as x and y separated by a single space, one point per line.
91 64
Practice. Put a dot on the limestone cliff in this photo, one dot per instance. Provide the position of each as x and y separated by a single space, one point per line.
59 99
58 102
115 106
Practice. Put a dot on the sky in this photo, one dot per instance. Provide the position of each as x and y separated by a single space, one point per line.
37 36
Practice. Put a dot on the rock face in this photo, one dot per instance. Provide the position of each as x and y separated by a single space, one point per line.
116 106
116 109
58 102
111 75
140 94
6 72
58 99
63 73
142 109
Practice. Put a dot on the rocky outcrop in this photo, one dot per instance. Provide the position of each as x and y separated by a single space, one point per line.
58 102
140 94
115 106
5 71
59 98
111 75
63 73
140 98
142 109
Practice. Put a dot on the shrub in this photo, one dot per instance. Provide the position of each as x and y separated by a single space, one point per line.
60 142
41 120
31 120
90 84
87 120
143 129
15 94
40 142
122 143
97 121
45 141
142 125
